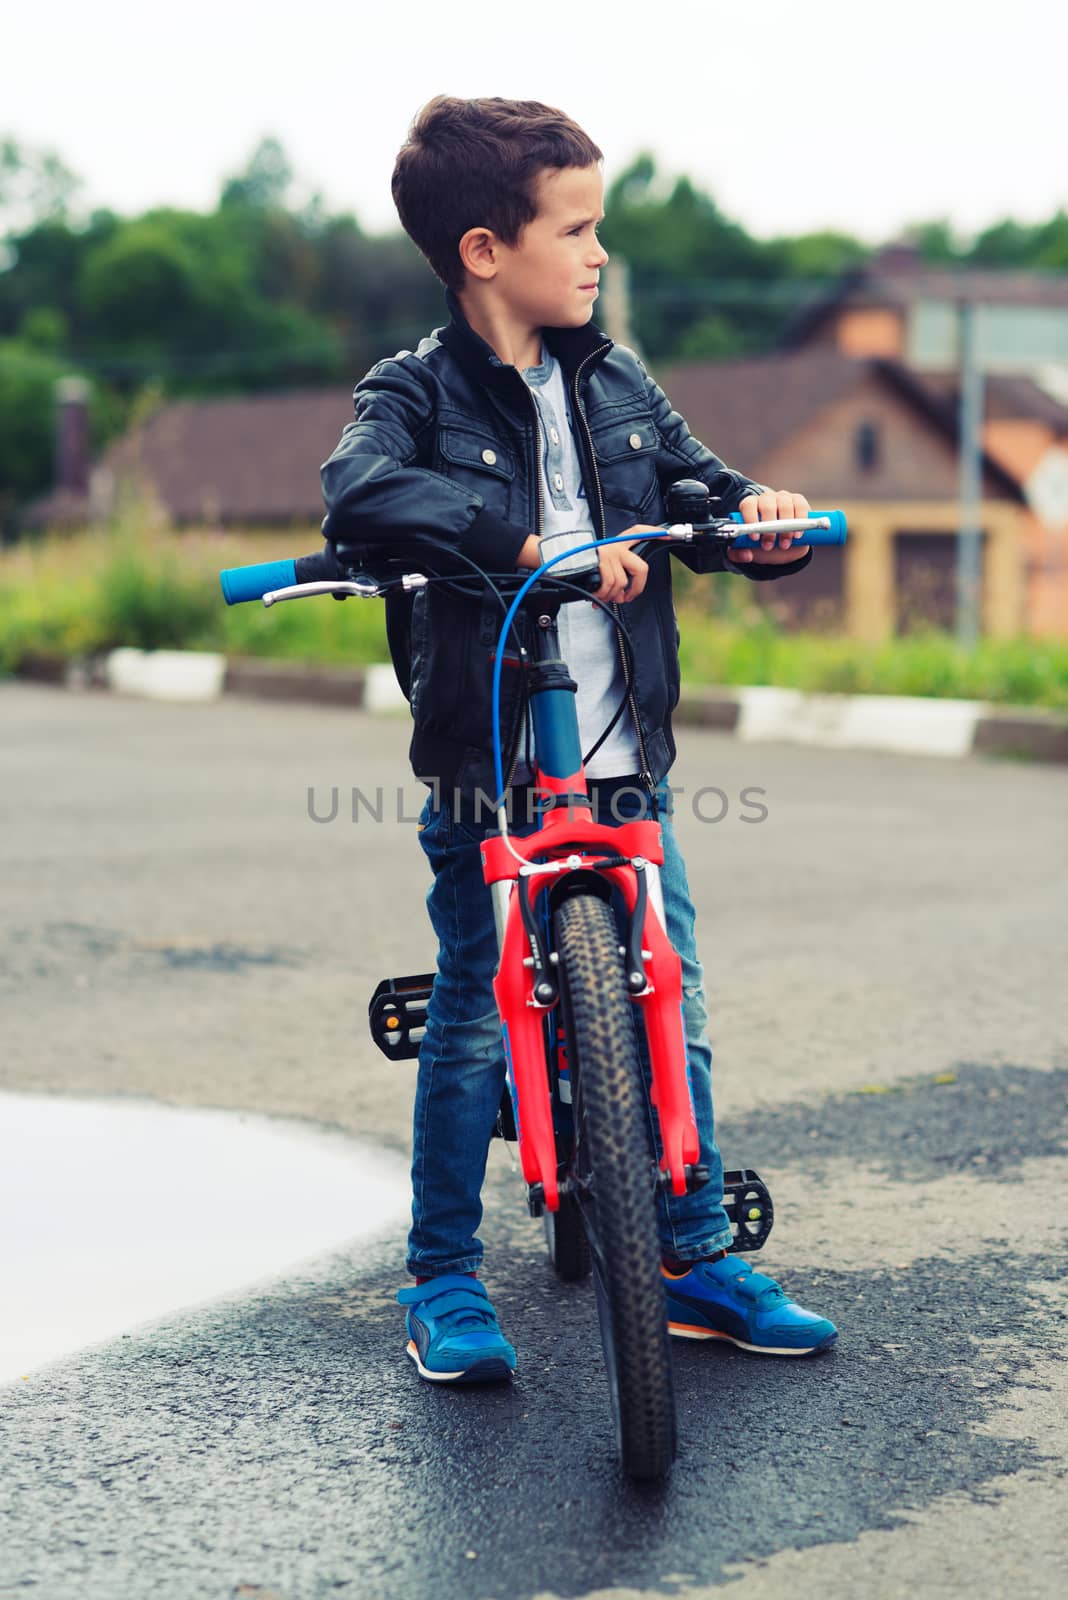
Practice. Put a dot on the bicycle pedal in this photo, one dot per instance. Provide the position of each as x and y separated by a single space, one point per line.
749 1209
397 1015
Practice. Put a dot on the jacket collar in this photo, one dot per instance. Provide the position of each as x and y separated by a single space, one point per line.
571 347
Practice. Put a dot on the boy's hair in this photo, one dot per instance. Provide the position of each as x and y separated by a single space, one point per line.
474 163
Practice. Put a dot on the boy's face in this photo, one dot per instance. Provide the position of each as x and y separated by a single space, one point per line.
548 278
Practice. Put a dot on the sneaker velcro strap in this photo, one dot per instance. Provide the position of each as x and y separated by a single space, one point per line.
450 1283
754 1286
462 1308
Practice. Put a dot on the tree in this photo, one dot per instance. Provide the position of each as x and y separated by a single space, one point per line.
43 271
936 242
35 186
821 255
27 421
180 295
1052 243
699 282
143 285
264 183
1005 244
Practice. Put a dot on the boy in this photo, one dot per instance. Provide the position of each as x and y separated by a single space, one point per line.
517 419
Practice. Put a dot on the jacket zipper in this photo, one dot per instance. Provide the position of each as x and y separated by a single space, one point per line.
645 775
517 732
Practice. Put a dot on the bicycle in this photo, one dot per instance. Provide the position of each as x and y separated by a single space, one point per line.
569 981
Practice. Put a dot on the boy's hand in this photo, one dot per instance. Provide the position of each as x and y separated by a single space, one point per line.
623 573
766 508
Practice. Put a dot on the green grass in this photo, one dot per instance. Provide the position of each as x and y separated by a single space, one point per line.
1018 671
133 584
82 594
337 632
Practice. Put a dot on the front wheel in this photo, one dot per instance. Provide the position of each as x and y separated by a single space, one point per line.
614 1178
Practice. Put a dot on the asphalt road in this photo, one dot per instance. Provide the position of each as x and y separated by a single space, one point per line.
884 955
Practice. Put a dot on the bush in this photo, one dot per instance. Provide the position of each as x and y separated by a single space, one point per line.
146 595
1019 671
138 584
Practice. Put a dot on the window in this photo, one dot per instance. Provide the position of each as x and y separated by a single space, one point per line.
866 444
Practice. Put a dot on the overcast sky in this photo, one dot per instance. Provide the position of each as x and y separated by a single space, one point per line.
834 113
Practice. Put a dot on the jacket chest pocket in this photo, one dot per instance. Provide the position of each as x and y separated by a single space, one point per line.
626 462
477 460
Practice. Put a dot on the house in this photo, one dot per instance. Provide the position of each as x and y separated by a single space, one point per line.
248 461
871 436
897 308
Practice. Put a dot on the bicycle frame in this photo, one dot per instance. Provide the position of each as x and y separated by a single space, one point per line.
569 845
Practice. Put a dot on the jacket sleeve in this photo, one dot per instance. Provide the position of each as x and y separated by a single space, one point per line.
375 487
680 455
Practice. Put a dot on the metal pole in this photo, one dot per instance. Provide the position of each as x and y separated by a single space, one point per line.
613 313
969 538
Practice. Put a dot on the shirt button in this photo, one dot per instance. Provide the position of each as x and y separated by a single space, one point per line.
489 457
558 482
554 436
635 441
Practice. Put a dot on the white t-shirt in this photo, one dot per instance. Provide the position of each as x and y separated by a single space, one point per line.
588 639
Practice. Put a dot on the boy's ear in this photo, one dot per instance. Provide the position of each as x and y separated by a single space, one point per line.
479 252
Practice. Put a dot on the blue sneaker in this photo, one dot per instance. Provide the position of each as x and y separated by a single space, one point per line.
453 1332
725 1299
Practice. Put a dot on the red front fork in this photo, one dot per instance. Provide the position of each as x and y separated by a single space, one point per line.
570 835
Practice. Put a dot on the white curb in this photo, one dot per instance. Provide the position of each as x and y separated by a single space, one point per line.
166 674
898 724
381 691
895 723
911 726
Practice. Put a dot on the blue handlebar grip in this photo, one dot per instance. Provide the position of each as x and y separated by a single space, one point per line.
252 583
835 534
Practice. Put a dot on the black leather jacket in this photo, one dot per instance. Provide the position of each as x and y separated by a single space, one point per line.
445 442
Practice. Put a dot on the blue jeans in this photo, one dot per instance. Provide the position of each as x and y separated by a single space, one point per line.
461 1060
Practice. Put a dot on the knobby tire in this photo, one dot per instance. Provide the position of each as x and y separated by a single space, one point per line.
615 1182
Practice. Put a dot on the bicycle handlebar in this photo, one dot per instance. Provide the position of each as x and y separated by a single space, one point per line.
254 581
835 534
240 584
